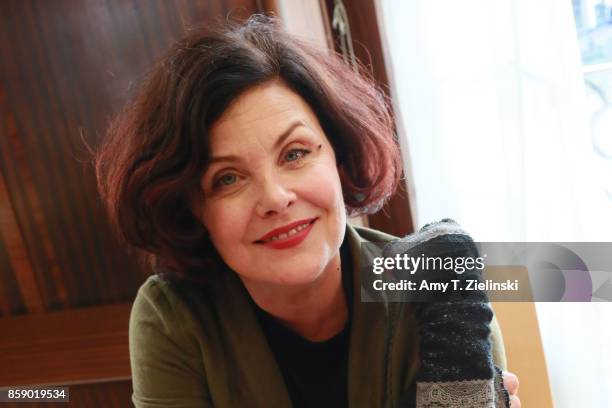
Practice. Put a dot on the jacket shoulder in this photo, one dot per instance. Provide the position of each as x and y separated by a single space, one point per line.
165 357
444 227
157 304
373 235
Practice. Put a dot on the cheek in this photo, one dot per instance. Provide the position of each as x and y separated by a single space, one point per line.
226 224
326 194
323 188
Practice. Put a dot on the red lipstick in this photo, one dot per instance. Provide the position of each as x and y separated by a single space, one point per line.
288 240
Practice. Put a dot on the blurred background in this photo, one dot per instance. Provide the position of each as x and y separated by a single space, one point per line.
505 106
503 112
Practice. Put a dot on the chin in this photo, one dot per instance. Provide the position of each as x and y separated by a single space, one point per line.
303 276
296 272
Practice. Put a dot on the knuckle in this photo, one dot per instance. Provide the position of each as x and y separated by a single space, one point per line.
511 382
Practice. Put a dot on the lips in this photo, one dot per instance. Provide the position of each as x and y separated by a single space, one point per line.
286 231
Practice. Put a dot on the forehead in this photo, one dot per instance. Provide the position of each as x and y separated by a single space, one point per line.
260 114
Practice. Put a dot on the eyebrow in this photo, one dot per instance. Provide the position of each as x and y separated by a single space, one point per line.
281 138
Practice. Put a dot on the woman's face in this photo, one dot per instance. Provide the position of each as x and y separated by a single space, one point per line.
273 168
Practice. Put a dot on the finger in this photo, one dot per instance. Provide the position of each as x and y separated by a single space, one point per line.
515 402
511 382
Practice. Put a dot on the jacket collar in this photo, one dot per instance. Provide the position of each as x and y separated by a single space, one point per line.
368 350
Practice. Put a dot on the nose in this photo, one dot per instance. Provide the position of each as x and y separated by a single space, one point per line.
274 197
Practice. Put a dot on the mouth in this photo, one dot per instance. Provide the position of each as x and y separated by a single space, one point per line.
289 235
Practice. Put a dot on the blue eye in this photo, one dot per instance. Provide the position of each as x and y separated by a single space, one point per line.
225 180
296 154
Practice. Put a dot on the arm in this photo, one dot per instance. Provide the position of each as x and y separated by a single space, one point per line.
166 362
456 333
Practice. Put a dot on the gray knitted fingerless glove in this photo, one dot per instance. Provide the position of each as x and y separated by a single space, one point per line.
456 364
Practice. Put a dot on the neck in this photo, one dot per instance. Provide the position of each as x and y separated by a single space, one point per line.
316 311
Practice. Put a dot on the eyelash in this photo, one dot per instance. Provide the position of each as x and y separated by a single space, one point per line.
304 152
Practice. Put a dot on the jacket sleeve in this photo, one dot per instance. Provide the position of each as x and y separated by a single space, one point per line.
166 362
497 344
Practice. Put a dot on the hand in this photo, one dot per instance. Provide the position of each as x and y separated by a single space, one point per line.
511 383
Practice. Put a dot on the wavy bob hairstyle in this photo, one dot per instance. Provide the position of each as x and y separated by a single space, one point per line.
156 149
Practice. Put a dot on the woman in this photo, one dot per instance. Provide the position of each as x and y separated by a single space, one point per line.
233 171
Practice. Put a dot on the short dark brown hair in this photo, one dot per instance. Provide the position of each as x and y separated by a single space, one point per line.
156 149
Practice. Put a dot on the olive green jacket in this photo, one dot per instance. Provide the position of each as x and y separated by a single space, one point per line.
203 347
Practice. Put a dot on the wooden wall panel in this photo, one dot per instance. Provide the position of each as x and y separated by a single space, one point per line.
19 282
524 351
10 296
65 347
66 67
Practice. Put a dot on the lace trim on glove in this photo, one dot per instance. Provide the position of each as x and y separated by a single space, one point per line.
456 394
502 397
